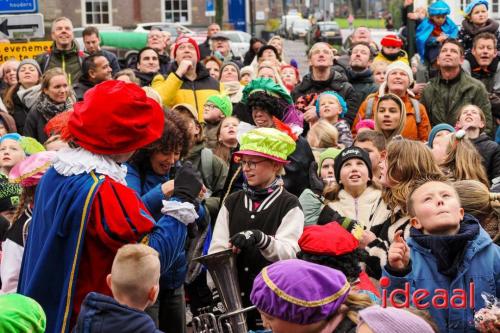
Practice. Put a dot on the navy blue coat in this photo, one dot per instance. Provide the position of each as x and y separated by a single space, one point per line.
103 314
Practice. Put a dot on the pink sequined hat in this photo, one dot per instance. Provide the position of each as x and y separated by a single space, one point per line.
29 171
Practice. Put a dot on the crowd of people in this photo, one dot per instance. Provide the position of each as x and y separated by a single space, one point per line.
332 188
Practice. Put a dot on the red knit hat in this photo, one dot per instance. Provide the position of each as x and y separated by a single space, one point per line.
330 239
115 117
391 41
189 40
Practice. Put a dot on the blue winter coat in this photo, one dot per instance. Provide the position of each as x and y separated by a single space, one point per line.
102 314
481 265
151 195
149 190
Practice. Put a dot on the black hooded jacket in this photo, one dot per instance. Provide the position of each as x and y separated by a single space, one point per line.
336 82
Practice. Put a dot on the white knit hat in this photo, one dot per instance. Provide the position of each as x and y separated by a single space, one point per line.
399 65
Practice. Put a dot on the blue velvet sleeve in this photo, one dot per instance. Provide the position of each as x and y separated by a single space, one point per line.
168 238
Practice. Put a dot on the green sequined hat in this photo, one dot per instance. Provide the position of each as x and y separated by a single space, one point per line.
266 142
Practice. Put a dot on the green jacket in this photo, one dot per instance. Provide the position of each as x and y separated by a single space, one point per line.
214 176
444 98
69 60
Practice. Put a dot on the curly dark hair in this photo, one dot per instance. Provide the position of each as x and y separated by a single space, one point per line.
275 106
347 263
175 138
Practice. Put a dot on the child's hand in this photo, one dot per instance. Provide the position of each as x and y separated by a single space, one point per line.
366 239
310 114
399 253
442 38
168 188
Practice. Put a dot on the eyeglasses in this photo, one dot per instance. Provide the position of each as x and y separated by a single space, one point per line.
251 164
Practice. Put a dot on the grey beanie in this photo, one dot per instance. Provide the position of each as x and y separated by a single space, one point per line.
230 63
30 62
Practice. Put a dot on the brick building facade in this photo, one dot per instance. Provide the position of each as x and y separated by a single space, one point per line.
127 13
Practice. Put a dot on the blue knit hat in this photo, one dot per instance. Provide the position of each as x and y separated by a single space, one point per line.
438 128
439 8
473 4
341 100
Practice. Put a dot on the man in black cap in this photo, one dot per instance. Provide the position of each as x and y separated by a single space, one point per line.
221 48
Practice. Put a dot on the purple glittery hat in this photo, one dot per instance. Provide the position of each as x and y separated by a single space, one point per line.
298 291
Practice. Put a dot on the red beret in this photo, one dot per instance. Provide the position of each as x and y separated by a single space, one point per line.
329 239
391 40
189 40
115 117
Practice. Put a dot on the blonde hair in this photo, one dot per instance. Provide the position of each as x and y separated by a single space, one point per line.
315 45
153 94
463 161
59 19
478 201
377 65
356 302
402 112
407 162
49 75
326 133
276 37
135 270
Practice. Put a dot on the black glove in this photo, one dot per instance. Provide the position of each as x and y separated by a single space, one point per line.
187 184
250 238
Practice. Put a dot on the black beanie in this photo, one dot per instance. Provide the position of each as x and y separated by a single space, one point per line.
349 153
9 195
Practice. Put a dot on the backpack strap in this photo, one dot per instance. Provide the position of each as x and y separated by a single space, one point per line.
416 106
369 107
46 61
207 170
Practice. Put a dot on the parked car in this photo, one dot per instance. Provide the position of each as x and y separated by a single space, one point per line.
286 24
325 31
240 41
299 29
175 30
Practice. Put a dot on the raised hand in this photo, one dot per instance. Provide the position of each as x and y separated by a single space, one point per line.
399 253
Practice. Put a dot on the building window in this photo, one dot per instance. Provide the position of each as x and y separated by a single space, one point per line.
494 7
177 11
97 12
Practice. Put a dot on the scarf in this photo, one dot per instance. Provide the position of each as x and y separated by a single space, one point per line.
490 26
29 96
449 250
48 109
234 90
392 57
259 194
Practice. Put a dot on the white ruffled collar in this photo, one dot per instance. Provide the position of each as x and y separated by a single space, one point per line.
75 161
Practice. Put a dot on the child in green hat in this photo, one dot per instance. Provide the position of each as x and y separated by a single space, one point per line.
263 221
216 108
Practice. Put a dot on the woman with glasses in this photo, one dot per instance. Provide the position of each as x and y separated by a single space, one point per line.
262 222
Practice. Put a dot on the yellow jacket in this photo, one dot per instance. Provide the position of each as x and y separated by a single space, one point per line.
403 57
174 90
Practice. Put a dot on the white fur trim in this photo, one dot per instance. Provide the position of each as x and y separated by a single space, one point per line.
70 162
182 211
